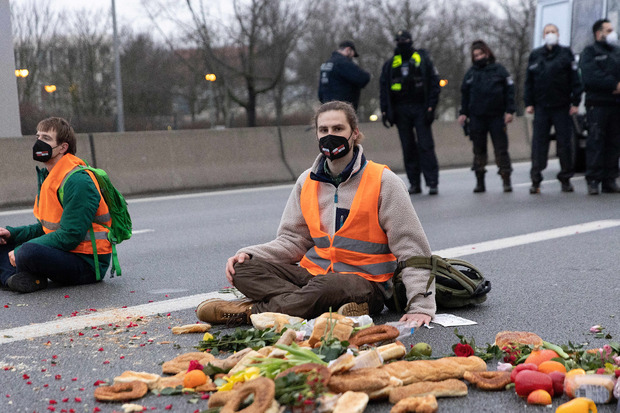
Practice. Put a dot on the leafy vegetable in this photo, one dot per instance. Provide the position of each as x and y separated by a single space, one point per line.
240 340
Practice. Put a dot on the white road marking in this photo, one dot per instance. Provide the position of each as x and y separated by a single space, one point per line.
183 303
105 317
530 238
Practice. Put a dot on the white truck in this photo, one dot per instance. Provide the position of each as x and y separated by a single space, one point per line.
574 19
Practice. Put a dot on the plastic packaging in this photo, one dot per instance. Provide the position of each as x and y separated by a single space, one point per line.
597 387
405 329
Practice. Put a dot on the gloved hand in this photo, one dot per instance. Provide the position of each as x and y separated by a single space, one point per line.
430 117
386 121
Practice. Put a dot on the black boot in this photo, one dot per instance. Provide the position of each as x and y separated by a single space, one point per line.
24 282
507 182
479 182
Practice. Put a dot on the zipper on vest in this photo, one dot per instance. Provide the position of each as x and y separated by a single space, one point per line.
336 196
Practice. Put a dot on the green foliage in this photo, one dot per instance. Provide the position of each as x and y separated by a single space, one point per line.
240 340
297 389
331 349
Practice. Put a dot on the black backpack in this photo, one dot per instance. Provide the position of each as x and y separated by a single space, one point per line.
457 282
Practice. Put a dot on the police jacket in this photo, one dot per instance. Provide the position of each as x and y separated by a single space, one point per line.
341 79
420 66
487 91
600 72
552 79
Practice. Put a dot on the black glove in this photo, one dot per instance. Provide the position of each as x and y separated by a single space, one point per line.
386 121
430 117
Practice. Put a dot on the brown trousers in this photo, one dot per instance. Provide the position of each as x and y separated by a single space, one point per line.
292 290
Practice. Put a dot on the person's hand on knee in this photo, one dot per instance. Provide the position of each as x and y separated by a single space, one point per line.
12 258
230 265
4 236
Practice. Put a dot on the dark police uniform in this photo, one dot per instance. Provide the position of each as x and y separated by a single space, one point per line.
552 85
487 93
341 79
600 72
409 86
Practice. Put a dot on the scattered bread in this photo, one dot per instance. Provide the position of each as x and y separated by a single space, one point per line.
246 360
220 398
343 363
506 338
121 391
434 370
374 334
392 351
231 361
264 391
351 402
362 380
339 326
169 381
444 388
128 376
278 321
488 380
424 404
191 328
132 407
181 363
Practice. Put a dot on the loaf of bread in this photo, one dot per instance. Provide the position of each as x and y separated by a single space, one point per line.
506 338
278 321
444 388
423 404
434 370
129 376
392 351
351 402
337 325
191 328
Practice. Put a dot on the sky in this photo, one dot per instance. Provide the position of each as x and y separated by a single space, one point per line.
128 12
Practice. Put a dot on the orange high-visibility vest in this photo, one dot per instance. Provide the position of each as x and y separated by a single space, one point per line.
360 246
48 209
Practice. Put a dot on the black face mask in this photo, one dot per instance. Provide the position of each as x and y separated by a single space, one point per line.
42 151
481 62
404 48
334 146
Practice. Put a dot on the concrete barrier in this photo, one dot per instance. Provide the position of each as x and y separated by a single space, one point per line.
166 161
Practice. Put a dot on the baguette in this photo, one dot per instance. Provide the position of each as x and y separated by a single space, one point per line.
191 328
424 404
362 380
445 388
434 370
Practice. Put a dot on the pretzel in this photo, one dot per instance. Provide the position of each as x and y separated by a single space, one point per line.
374 334
264 391
488 380
121 391
322 372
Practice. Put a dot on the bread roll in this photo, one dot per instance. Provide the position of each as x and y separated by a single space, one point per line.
191 328
351 402
263 321
129 376
434 370
424 404
505 338
392 351
338 325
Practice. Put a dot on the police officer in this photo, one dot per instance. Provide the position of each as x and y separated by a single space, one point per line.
342 79
552 93
409 91
487 99
600 71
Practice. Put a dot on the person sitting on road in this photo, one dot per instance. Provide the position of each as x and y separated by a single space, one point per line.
60 245
347 222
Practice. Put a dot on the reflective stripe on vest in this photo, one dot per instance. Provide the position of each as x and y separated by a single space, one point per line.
397 61
48 209
360 246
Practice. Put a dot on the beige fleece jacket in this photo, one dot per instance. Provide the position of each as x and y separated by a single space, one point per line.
397 217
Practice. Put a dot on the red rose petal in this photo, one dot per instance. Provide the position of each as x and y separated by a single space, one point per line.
25 377
54 357
57 377
79 400
74 379
106 362
100 349
169 407
66 296
65 400
52 401
98 382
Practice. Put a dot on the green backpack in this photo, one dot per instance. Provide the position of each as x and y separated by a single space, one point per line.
454 287
120 229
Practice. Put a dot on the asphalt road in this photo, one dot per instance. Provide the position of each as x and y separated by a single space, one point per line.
556 284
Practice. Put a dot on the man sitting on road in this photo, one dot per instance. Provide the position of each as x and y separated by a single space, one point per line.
348 221
60 245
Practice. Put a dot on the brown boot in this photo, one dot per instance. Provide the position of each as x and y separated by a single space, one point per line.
353 309
218 311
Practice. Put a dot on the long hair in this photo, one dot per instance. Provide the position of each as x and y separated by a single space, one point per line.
481 45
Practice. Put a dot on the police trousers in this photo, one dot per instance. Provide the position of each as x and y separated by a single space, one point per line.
480 126
602 143
561 121
292 290
419 147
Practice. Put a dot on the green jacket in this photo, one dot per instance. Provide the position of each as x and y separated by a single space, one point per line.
81 200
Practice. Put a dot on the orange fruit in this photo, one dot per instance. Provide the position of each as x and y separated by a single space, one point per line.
539 397
194 378
551 365
538 356
575 372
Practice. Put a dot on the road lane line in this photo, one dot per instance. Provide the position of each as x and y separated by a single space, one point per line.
530 238
105 317
183 303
